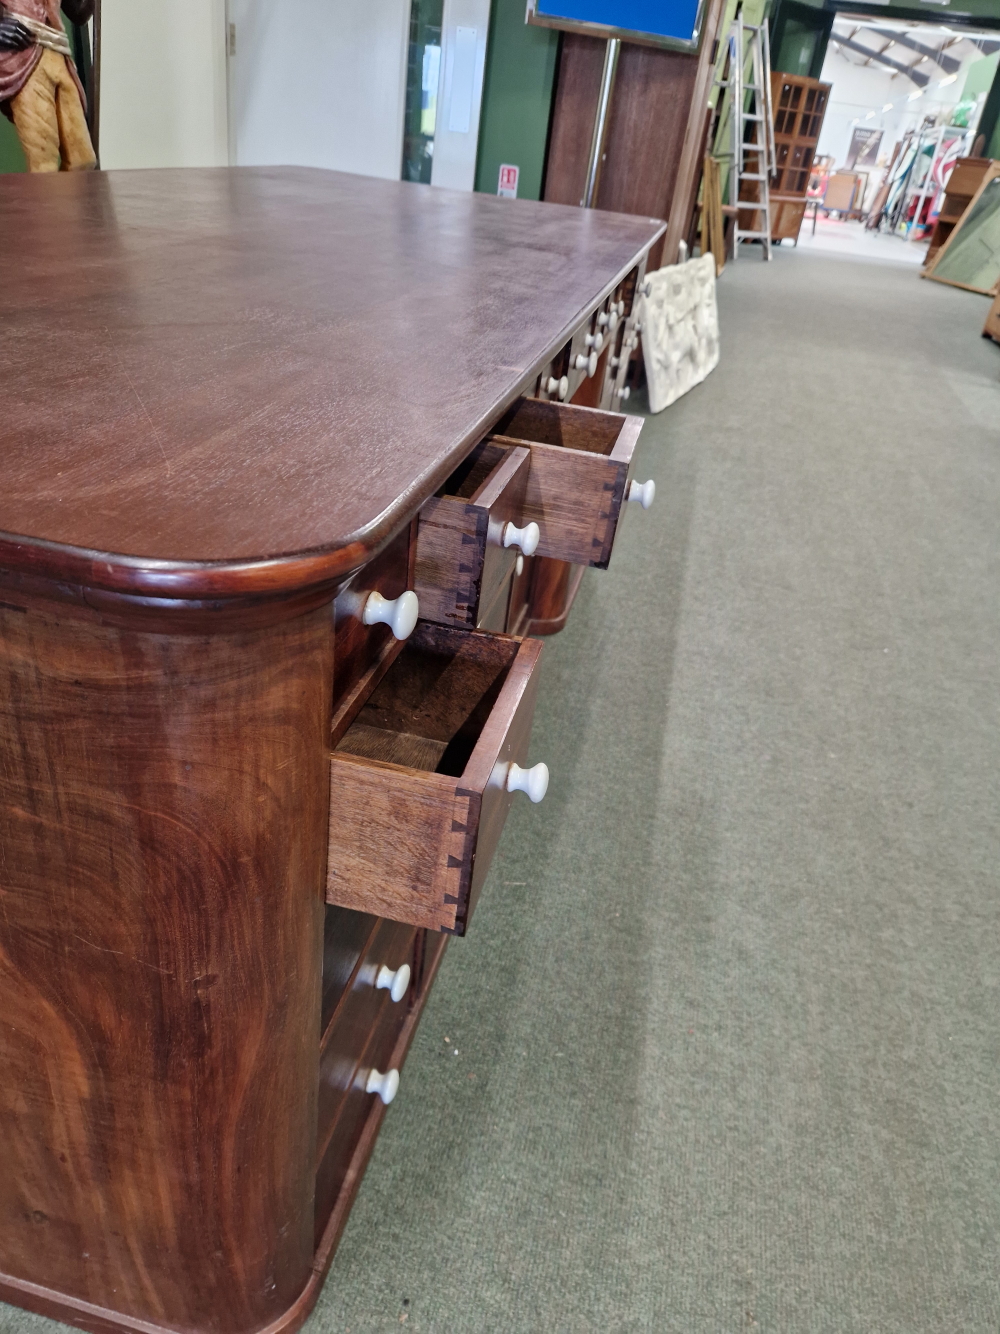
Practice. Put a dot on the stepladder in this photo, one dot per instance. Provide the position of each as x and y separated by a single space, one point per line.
748 79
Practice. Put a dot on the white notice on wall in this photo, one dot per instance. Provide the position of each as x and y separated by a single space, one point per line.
463 76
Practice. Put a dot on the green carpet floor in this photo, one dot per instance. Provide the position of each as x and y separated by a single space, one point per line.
720 1052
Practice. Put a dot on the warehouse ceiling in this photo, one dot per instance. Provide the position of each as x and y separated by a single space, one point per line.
921 54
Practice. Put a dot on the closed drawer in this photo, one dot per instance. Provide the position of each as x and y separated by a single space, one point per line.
422 780
368 1034
362 652
468 539
345 937
578 478
367 1022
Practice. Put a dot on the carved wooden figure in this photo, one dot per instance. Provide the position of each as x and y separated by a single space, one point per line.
40 90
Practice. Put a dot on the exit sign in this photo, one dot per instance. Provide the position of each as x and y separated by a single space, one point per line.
507 185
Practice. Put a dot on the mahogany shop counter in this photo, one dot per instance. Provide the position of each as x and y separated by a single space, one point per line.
292 461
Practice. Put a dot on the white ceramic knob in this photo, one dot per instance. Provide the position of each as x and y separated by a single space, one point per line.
602 319
399 614
386 1086
638 326
588 364
613 320
533 781
624 393
643 493
559 387
596 341
647 288
519 565
621 307
615 362
397 982
526 538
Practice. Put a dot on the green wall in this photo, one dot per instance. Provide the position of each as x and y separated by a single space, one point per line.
517 99
11 156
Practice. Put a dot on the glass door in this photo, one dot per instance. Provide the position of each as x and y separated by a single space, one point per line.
423 72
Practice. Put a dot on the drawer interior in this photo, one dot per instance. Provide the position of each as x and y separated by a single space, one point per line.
473 473
546 422
430 708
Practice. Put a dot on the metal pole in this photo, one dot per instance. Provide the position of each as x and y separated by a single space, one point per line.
601 122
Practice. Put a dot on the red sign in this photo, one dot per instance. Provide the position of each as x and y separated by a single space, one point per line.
508 181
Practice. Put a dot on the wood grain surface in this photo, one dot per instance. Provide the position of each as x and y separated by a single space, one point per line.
163 809
245 380
655 129
580 466
410 843
461 563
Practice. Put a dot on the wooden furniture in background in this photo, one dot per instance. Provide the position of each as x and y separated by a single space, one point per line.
967 177
799 107
713 236
970 255
215 459
991 329
657 128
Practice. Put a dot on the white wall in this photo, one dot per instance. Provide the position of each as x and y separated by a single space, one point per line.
320 83
163 83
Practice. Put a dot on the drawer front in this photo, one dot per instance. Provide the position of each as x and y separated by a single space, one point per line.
345 939
362 651
463 570
579 473
366 1023
419 782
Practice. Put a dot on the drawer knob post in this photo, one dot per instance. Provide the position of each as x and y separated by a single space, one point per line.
534 781
588 364
399 614
527 538
608 319
386 1086
643 493
596 341
395 981
558 387
625 393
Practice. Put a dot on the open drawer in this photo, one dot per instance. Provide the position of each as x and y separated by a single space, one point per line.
469 539
422 780
580 475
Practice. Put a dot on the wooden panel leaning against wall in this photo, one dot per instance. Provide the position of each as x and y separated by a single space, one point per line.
656 129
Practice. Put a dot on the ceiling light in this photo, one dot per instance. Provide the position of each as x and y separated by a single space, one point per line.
887 107
943 83
870 115
913 96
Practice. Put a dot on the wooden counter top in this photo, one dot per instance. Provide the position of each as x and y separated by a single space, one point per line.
241 381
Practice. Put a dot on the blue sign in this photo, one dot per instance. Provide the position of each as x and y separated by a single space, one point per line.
674 23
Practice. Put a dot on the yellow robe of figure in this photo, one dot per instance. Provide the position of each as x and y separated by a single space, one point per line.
49 118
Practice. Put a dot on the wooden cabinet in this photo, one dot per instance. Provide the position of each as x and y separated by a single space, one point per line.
799 105
229 797
967 175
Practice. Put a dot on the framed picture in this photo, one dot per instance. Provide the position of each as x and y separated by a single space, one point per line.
674 24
